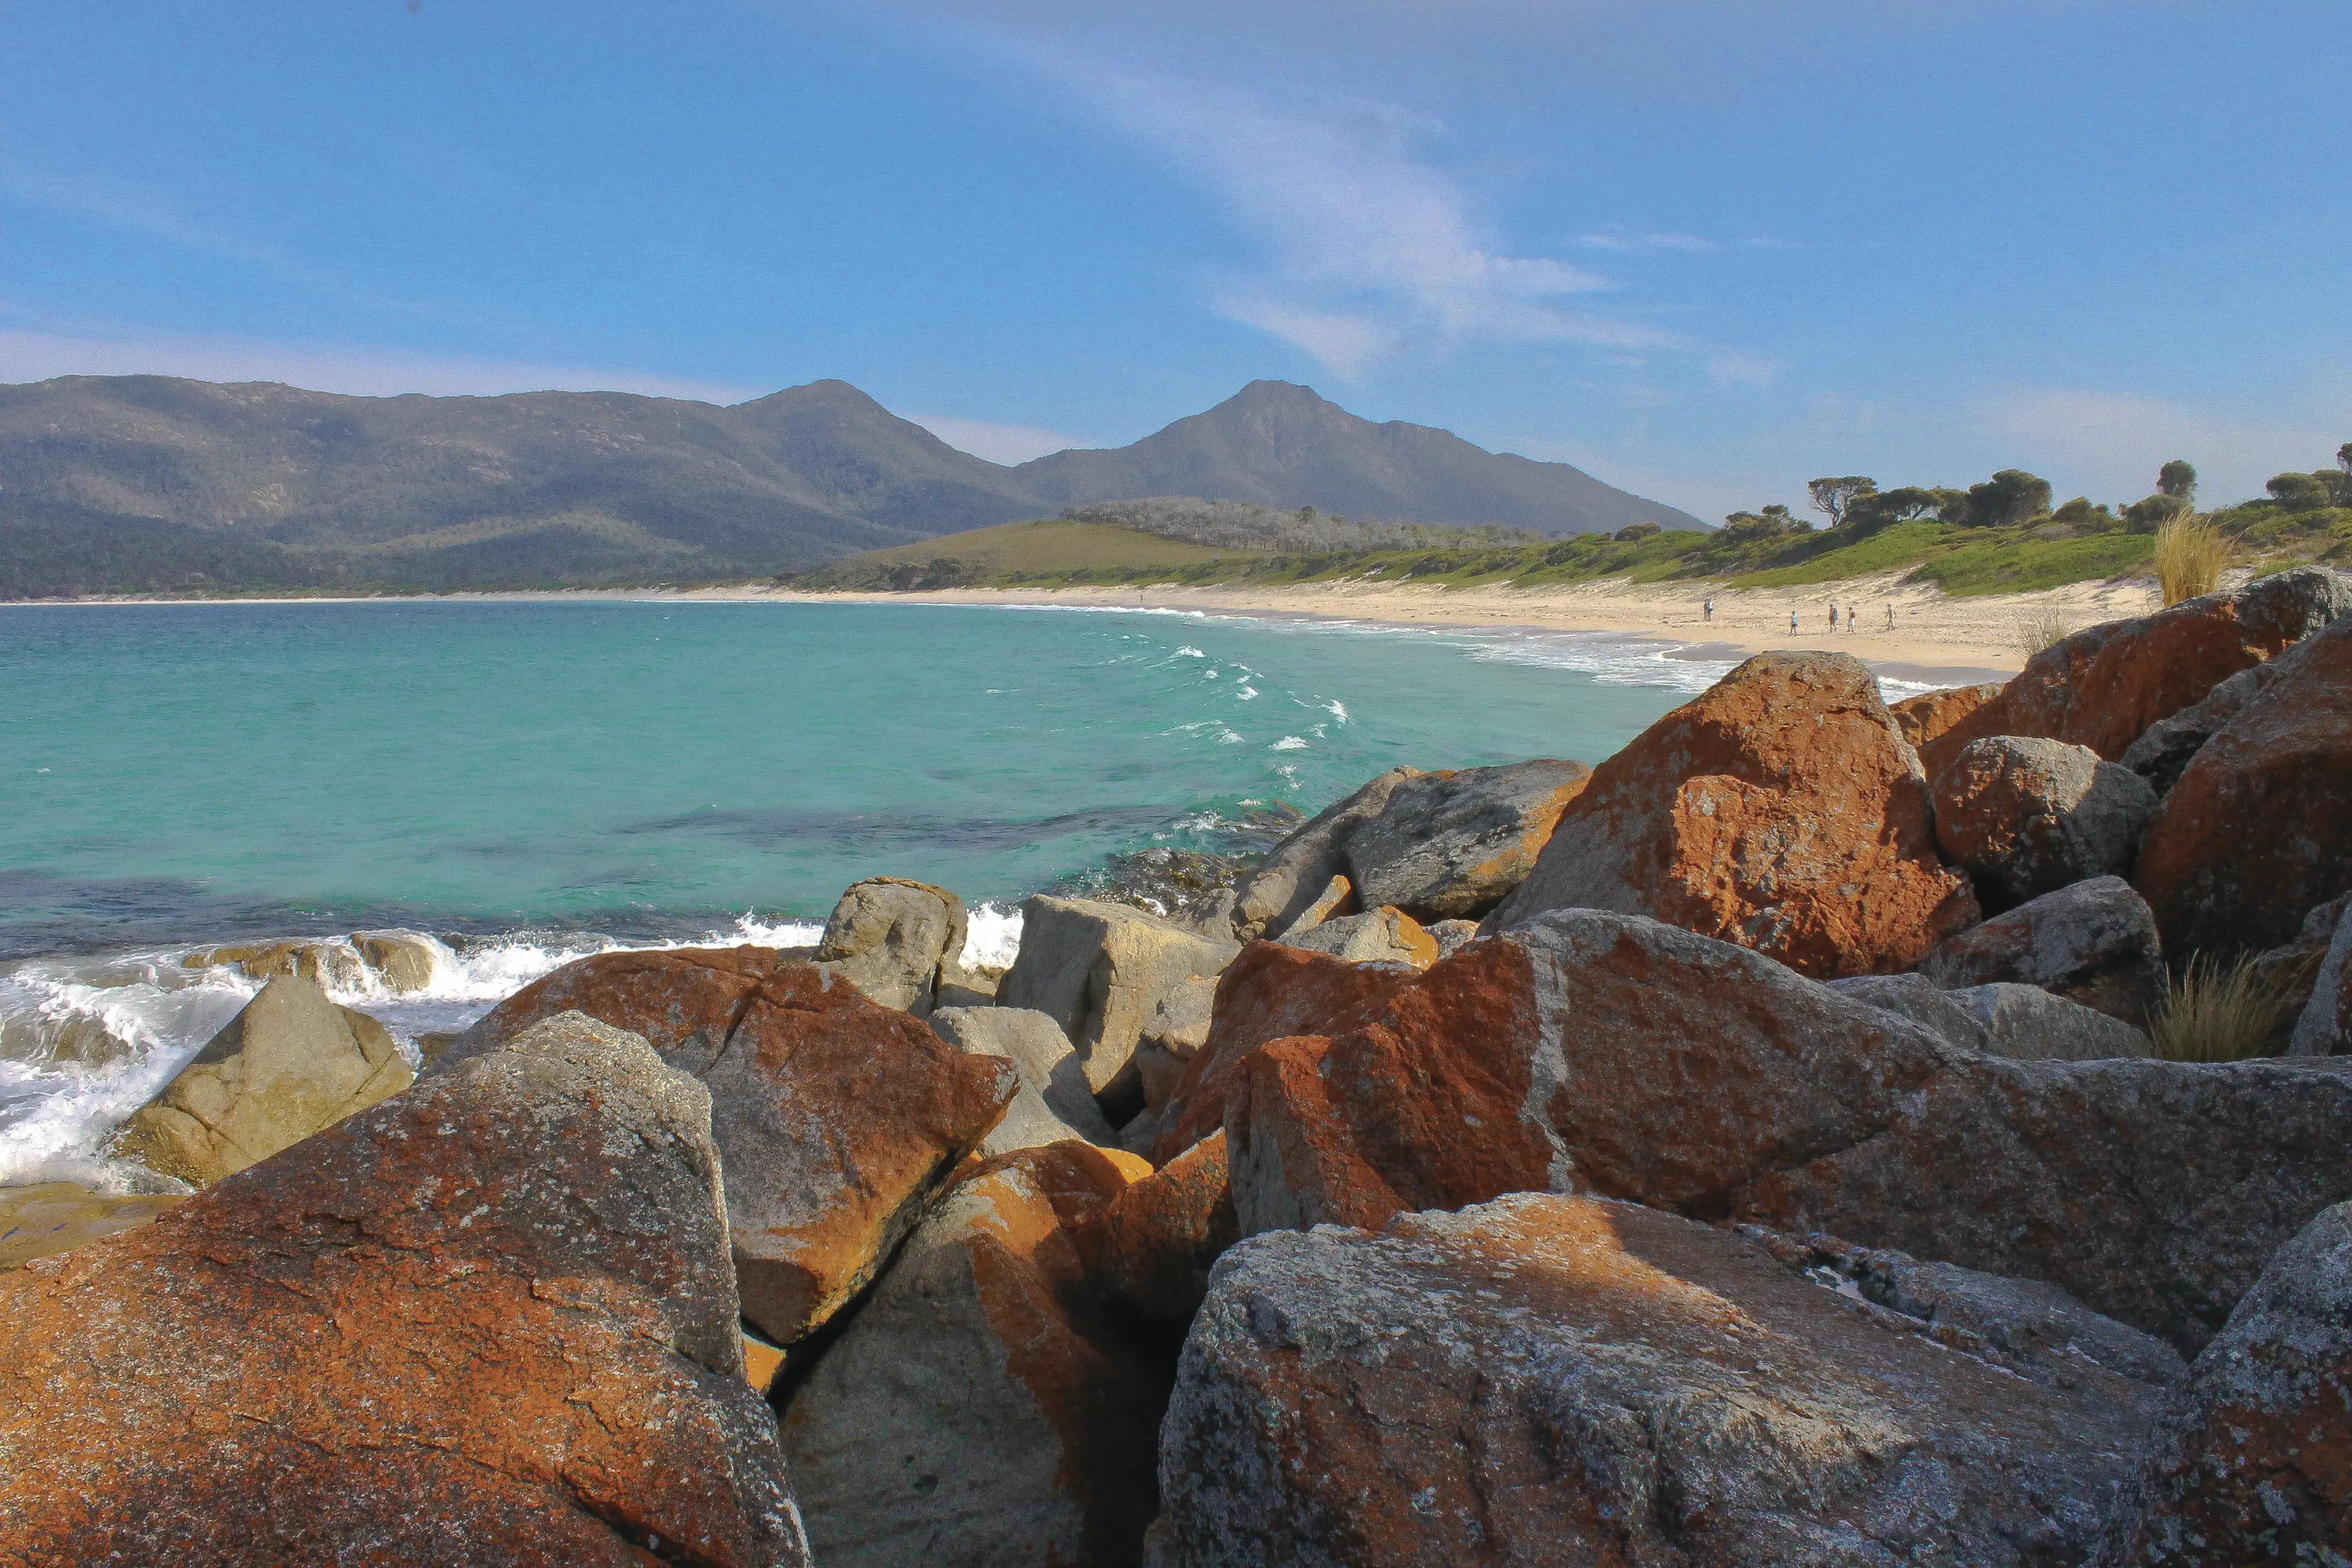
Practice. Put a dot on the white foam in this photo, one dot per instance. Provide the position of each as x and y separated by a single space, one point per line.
1288 743
992 939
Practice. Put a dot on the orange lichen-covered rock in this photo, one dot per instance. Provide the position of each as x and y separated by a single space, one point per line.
1782 810
490 1321
837 1116
1151 1250
1270 991
1600 1052
978 1409
2259 827
1560 1380
1924 717
2106 686
2255 1466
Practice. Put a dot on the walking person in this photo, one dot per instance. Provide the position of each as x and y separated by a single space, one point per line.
1833 617
1792 622
1708 608
1853 620
1890 617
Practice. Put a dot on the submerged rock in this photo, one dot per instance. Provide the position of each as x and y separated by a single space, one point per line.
1101 971
403 960
978 1409
2094 943
53 1217
838 1117
488 1322
1556 1380
290 1064
894 940
2026 816
1781 810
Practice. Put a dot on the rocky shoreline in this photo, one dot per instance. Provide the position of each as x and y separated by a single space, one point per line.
1822 1132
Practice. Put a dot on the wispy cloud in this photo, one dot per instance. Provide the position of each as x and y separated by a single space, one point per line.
1369 243
1645 239
998 443
368 372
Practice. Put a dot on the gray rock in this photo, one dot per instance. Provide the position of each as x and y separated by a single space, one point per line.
1336 898
1452 935
402 960
1053 1102
891 937
1564 1380
1161 1070
2324 1027
1387 935
2035 1329
977 1412
1178 1021
2251 1466
1100 971
1451 845
1297 870
1140 1133
2027 1023
2026 816
2094 942
1922 1001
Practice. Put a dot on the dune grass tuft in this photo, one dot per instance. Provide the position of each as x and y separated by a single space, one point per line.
2191 555
2217 1011
2039 628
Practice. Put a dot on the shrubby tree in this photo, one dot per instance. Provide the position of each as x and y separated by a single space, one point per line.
2177 479
2147 516
2079 513
1632 531
2302 492
2010 496
1835 498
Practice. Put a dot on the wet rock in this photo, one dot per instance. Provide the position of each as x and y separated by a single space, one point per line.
2094 943
1563 1380
1297 872
1100 970
2255 1466
1625 1058
2026 816
2029 1024
1782 810
290 1063
1923 720
489 1321
1386 935
978 1409
1452 843
2103 687
1338 897
2324 1028
402 960
53 1217
1053 1101
2259 829
330 963
1150 1251
838 1117
891 938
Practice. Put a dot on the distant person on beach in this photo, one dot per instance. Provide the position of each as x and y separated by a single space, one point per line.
1890 618
1833 617
1792 622
1852 619
1708 609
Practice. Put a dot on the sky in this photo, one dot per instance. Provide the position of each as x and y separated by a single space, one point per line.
1706 249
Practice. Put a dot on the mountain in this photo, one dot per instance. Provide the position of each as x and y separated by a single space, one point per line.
1281 445
129 484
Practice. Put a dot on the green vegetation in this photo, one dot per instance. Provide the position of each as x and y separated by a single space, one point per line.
2002 536
2215 1012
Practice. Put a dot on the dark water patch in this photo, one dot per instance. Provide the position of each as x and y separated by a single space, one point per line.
871 833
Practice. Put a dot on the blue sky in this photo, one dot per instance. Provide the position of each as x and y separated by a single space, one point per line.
1704 250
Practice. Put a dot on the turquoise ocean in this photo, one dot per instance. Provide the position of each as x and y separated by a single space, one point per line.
530 781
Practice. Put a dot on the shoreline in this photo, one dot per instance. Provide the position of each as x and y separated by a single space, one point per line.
1933 638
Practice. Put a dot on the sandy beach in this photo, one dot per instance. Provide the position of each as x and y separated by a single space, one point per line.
1911 630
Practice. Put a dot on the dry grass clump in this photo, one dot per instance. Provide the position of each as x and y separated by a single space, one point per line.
2191 554
2039 629
2217 1011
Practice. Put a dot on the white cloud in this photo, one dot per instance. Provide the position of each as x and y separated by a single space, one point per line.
28 356
1644 239
1005 444
1369 245
2110 445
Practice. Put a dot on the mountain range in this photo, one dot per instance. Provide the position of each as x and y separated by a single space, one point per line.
139 484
